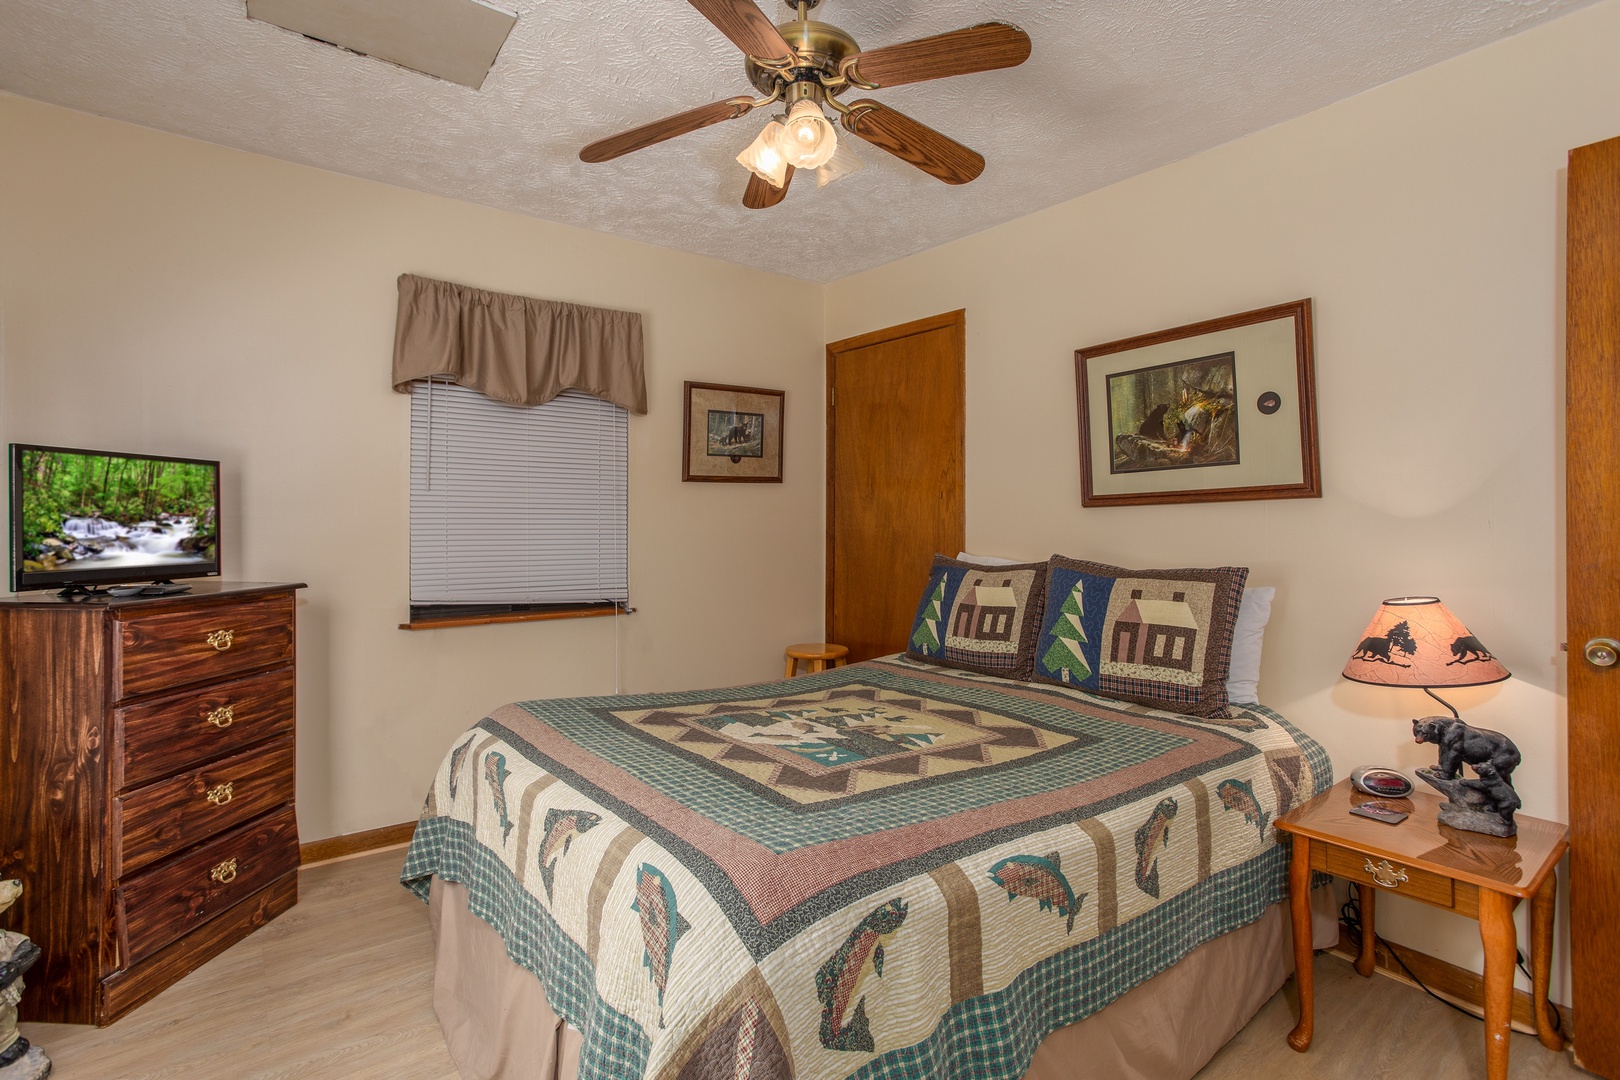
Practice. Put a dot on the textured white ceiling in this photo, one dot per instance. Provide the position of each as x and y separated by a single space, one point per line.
1111 90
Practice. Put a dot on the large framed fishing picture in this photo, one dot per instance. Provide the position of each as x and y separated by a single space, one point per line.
1211 412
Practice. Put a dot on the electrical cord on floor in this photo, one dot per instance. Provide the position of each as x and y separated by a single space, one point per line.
1350 916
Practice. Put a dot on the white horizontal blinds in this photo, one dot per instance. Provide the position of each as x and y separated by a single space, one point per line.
514 504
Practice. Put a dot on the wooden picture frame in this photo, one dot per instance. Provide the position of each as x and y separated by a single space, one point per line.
732 434
1215 411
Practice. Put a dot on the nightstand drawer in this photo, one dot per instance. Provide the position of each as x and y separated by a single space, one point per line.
1388 875
212 641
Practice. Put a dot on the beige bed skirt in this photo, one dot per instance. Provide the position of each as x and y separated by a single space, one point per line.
499 1026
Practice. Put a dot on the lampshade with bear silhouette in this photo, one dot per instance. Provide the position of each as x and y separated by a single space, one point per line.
1415 641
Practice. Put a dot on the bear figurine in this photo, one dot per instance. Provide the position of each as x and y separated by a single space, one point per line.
1462 745
1485 805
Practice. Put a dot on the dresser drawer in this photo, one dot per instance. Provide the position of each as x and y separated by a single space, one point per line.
155 821
156 738
159 905
1388 875
160 651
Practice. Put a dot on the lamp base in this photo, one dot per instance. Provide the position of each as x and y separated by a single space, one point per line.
1472 806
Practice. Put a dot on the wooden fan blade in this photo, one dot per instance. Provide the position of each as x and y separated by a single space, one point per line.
670 126
913 142
747 27
985 47
760 195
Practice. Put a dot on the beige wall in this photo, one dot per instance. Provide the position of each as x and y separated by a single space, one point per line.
1425 219
164 295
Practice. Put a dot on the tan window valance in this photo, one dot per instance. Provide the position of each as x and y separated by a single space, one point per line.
515 348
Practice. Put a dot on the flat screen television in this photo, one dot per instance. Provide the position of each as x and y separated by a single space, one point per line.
90 517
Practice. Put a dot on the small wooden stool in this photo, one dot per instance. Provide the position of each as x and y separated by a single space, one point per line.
816 653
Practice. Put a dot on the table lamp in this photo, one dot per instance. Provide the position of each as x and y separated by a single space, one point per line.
1414 641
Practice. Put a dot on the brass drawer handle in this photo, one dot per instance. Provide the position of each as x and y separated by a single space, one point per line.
225 872
1384 874
222 794
222 717
221 639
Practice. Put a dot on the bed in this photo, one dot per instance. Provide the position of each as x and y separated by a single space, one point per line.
891 869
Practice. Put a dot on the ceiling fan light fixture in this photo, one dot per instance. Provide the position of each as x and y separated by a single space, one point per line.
808 140
763 158
841 164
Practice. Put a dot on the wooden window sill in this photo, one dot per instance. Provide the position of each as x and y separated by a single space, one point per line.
514 617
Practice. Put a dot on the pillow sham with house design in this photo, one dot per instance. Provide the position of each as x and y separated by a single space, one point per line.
1159 637
980 618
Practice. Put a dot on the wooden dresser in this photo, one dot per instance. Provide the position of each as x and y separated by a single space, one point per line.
146 785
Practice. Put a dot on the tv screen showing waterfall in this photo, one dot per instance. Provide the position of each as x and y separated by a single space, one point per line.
85 517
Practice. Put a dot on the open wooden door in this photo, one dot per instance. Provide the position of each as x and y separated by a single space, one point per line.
896 408
1592 464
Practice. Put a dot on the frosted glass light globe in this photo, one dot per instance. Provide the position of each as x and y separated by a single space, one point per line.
763 157
808 138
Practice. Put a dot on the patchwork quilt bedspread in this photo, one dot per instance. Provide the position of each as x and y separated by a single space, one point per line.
888 869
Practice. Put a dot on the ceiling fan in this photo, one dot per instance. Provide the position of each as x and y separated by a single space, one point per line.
806 66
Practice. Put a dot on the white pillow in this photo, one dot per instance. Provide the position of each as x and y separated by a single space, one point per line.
1254 611
987 560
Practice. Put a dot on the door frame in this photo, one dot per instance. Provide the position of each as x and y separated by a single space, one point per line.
949 320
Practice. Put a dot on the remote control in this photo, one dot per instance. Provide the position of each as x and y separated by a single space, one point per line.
169 589
1379 812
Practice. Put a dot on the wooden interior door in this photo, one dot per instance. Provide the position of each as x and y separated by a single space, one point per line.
896 409
1592 463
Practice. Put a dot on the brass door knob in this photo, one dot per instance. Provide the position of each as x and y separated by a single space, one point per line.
1602 652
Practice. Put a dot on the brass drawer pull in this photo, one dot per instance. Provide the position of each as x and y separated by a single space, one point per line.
222 794
221 639
225 872
222 717
1384 874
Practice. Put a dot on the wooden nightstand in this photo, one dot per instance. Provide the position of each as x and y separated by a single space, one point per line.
1482 877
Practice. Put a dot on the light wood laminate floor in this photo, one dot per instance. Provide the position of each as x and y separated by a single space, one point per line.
341 987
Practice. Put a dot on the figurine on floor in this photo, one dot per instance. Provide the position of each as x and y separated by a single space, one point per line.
18 1059
1485 805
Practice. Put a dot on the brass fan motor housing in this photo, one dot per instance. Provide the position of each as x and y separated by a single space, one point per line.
818 45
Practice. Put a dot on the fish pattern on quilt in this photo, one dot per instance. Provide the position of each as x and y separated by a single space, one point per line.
495 773
662 925
839 983
562 827
1039 877
1154 832
1238 794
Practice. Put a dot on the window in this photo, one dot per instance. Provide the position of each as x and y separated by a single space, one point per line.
516 508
